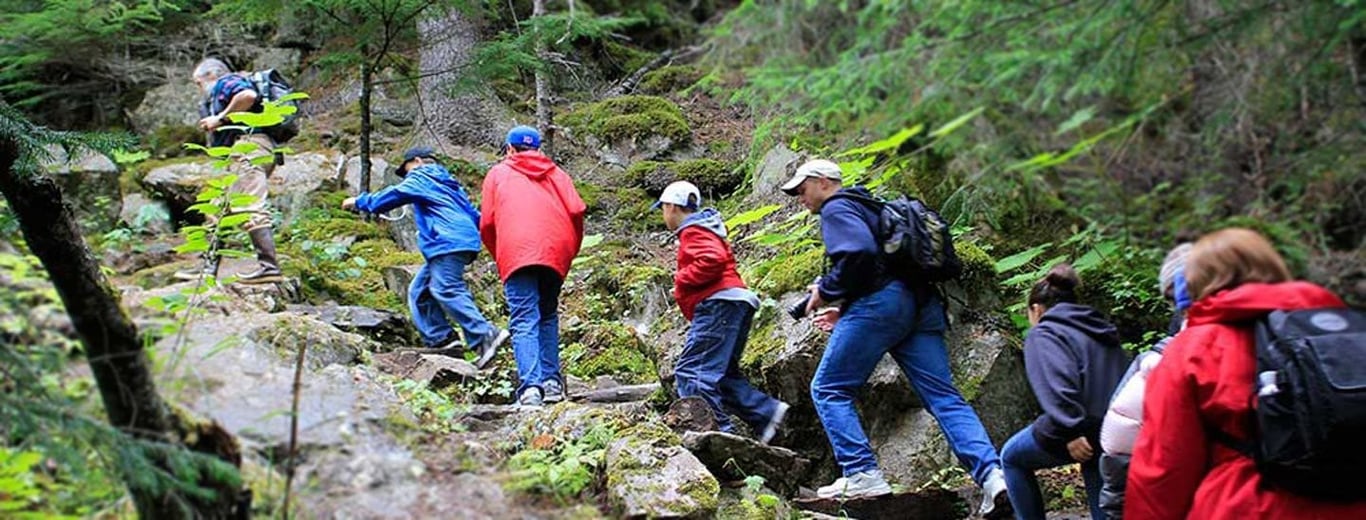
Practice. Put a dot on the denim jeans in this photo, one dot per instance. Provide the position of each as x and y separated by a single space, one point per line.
533 295
709 366
439 291
1021 456
881 323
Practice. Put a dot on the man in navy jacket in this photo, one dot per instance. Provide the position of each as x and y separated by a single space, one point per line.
879 314
448 236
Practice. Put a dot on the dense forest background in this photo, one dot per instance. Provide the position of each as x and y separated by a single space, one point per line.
1101 132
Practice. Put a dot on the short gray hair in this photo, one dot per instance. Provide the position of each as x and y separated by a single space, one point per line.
211 68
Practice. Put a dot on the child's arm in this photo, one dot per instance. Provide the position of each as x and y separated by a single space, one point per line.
401 194
708 255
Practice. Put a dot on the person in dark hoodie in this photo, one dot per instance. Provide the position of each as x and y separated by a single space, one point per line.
1074 362
877 315
720 308
533 225
448 236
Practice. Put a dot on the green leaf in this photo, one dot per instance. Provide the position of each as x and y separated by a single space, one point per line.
205 208
244 147
292 96
234 220
891 143
196 147
239 200
262 160
751 216
192 247
1077 119
951 126
1015 261
233 253
767 500
218 151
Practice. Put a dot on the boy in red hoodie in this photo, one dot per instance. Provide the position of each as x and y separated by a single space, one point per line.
712 296
533 224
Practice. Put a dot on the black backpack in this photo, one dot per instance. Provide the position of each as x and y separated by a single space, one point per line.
271 86
1311 403
916 242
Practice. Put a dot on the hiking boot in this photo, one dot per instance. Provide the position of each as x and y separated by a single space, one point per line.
864 484
774 423
194 274
530 398
489 346
995 500
554 391
263 240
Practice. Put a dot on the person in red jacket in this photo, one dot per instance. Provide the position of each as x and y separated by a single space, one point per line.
1205 381
533 225
712 296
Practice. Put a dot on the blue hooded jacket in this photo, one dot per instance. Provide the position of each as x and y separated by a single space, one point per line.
446 220
847 228
1074 362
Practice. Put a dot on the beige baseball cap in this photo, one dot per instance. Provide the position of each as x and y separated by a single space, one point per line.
814 169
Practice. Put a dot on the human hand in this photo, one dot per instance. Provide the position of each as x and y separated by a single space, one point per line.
349 204
815 301
826 318
1080 449
210 123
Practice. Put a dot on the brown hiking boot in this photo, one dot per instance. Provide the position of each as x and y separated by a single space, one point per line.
269 272
207 269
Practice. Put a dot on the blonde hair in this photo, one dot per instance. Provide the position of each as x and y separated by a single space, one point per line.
1229 258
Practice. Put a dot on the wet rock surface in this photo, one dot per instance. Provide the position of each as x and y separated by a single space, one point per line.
733 458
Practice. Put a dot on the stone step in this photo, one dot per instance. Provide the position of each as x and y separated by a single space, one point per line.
732 458
932 503
617 394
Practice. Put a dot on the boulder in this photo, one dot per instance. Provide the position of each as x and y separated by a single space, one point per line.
173 103
690 414
140 257
733 458
650 477
279 58
436 371
145 215
178 184
291 187
388 329
398 278
381 175
90 184
616 394
930 503
775 168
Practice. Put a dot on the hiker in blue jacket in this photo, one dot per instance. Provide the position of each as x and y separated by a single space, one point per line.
448 236
880 314
1074 362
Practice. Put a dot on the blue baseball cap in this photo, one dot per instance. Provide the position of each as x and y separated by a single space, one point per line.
413 153
524 136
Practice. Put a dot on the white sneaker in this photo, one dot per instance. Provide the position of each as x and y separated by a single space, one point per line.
531 398
995 500
863 484
774 422
489 347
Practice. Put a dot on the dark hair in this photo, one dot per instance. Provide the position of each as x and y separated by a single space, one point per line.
522 147
1059 286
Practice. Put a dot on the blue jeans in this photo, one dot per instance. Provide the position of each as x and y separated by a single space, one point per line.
533 295
709 366
884 322
439 291
1022 455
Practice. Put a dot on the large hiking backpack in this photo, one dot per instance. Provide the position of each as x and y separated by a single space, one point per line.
916 242
1311 403
272 86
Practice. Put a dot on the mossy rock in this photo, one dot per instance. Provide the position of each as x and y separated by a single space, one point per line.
714 178
789 273
629 117
608 349
979 268
650 475
169 140
670 79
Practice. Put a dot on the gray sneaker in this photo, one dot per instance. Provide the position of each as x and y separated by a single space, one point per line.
864 484
554 391
771 430
530 398
489 347
995 500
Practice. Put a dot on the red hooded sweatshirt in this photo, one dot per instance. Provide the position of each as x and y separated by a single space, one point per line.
532 215
705 262
1206 377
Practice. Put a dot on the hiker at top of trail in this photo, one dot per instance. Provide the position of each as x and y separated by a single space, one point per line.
228 93
1074 361
448 236
880 314
721 309
533 224
1123 419
1201 445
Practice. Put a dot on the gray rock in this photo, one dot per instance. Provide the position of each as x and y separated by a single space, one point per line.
291 184
732 458
401 223
398 278
629 150
436 371
387 328
173 103
691 414
930 503
145 215
775 168
617 393
90 184
284 60
650 479
472 117
179 184
381 175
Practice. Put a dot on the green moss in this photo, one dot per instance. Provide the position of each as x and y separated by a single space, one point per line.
670 79
790 273
627 57
169 140
629 117
979 268
764 341
609 349
714 178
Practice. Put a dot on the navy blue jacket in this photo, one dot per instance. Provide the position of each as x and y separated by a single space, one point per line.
848 229
1074 362
446 220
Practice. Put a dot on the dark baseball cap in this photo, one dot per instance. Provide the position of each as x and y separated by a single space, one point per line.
413 153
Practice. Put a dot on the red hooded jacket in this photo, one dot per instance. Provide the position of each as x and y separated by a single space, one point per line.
1206 378
705 262
532 215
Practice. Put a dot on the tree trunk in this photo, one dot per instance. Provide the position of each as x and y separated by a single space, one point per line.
544 120
366 85
120 367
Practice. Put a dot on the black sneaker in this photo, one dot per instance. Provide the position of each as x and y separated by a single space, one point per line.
451 347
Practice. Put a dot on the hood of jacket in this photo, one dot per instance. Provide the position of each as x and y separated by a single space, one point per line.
531 163
1083 319
437 174
1252 301
708 219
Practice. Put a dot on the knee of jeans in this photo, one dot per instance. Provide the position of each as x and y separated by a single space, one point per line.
824 392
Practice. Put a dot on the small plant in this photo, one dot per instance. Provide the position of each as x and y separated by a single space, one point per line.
561 467
435 412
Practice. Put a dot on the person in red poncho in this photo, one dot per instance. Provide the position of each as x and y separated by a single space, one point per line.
533 224
1205 381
